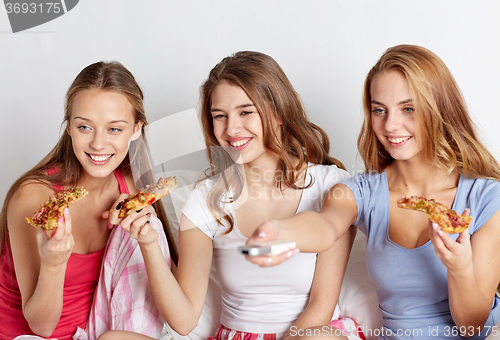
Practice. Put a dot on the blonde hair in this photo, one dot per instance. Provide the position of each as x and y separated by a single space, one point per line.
106 76
449 135
275 99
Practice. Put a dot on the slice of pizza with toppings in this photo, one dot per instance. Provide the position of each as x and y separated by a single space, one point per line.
147 196
449 221
48 215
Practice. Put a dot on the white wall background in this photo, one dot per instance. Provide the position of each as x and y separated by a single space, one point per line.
326 47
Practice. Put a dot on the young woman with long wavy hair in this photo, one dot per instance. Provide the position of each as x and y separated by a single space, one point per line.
268 160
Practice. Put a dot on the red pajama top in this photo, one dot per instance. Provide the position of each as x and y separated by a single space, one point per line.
82 274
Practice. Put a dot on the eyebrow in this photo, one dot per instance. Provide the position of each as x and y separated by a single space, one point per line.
111 122
242 106
400 103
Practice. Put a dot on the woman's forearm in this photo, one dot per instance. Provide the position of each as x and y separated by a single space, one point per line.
43 309
469 307
172 302
310 230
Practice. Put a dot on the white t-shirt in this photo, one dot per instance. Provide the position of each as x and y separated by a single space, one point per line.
255 299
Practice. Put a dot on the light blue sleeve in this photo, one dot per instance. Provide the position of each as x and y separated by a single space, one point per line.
484 201
371 195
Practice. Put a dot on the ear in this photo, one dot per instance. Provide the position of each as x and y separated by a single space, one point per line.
68 128
137 131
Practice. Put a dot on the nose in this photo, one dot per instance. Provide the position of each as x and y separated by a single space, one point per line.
233 125
393 122
99 140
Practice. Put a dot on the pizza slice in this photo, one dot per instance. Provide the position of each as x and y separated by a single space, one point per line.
147 196
449 221
48 215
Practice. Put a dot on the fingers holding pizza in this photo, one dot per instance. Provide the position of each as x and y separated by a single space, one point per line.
55 250
140 228
443 222
133 212
455 254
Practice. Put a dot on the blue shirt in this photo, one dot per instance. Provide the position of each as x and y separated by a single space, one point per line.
412 284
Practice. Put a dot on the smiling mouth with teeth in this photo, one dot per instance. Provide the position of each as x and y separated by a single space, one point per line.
240 142
99 158
398 140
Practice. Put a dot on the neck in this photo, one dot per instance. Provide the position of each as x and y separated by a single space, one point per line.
97 185
419 177
262 171
265 171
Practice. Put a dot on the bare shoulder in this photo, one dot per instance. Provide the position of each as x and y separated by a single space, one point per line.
340 192
340 205
27 199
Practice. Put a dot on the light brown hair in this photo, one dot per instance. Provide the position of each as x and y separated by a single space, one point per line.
106 76
449 135
275 99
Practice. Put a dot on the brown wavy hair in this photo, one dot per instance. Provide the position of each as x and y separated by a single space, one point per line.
275 99
108 76
449 135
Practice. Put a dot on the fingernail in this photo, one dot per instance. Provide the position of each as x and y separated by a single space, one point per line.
262 234
138 211
110 226
268 260
119 206
53 233
66 210
61 219
435 226
440 232
148 214
289 254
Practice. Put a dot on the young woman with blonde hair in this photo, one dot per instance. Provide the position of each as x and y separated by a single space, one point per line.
417 139
48 281
267 161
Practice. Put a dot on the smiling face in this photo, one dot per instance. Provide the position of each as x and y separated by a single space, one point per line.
237 123
392 115
101 126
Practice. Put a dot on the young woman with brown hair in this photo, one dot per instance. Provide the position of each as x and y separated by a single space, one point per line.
47 281
267 161
417 139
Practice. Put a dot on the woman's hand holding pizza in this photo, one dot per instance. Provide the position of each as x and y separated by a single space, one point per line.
137 223
55 250
455 255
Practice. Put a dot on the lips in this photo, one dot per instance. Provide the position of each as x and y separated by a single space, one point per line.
239 143
398 140
99 158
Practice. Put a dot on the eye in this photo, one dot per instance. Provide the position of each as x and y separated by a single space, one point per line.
218 117
378 111
83 128
115 130
408 110
246 113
